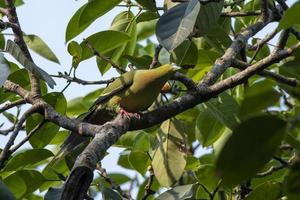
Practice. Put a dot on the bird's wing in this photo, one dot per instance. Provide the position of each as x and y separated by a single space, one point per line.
117 86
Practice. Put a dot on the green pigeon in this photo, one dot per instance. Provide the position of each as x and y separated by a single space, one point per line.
132 92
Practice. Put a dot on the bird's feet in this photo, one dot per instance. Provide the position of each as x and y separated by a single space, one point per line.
129 115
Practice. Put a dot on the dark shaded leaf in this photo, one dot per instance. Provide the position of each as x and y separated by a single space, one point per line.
175 25
249 148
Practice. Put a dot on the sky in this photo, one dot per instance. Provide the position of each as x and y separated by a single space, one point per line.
48 19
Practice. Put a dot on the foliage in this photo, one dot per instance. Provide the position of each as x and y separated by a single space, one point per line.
251 131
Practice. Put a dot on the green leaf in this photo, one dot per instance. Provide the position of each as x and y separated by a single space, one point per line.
16 185
119 178
18 54
224 108
179 192
290 17
4 69
75 50
27 159
94 9
124 22
36 44
266 191
258 96
147 16
48 130
148 4
169 160
210 129
139 156
218 39
175 25
5 193
53 194
207 177
145 29
249 148
208 17
73 28
140 161
24 182
185 54
142 62
103 42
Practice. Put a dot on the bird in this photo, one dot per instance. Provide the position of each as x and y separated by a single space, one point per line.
129 94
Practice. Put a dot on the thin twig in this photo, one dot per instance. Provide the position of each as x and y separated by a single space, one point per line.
115 186
6 151
96 53
28 136
148 190
80 81
240 14
12 104
155 57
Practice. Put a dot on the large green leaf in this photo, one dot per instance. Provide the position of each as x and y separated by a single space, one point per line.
266 191
94 9
146 29
47 131
86 15
258 96
291 16
139 156
35 43
4 69
27 159
169 160
210 129
124 22
250 146
185 54
224 108
24 182
18 54
175 25
103 42
179 192
208 17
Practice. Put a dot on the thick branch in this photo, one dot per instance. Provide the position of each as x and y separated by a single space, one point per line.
238 43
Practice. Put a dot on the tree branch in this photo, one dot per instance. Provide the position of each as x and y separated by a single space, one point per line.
13 19
80 81
96 53
6 151
238 43
12 104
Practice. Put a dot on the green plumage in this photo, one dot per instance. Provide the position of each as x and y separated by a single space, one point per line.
133 91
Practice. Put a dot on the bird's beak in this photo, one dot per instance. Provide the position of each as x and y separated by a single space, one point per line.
175 67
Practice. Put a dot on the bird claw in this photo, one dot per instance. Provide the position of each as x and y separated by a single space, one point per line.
129 115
